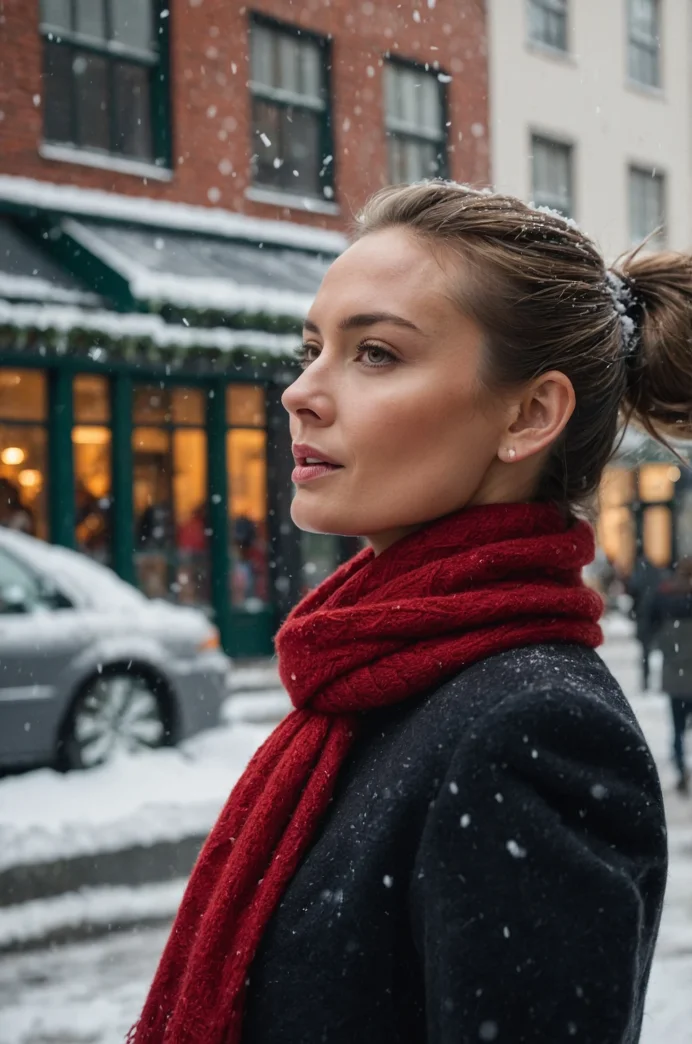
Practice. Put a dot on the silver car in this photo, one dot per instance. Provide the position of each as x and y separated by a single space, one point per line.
90 667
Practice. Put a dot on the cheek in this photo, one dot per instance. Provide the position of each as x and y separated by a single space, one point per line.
432 429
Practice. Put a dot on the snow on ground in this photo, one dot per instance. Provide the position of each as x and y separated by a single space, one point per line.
104 906
90 992
164 795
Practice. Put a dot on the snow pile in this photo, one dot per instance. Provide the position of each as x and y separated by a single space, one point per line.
113 905
164 795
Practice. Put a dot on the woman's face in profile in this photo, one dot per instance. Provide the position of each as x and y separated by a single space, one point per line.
390 391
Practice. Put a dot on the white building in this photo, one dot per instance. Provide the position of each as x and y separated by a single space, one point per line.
590 113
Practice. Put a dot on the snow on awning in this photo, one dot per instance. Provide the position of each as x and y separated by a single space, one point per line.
202 272
27 273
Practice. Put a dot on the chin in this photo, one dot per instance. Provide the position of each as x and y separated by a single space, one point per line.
314 518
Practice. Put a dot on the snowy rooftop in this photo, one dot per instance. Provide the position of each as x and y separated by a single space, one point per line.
202 271
68 199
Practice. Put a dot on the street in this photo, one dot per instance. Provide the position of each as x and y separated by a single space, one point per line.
90 992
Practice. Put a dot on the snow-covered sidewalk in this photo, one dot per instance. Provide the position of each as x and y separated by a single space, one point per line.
165 795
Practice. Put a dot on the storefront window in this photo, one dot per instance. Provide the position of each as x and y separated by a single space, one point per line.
91 444
658 535
170 494
616 529
23 472
656 491
247 496
657 482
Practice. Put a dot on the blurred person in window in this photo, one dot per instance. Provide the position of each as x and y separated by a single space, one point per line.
191 538
13 512
672 621
248 581
92 523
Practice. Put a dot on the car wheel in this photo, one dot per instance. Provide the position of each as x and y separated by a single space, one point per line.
116 713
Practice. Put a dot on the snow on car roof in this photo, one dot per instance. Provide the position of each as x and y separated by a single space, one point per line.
89 581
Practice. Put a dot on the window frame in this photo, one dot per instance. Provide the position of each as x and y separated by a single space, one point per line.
653 174
642 44
404 132
156 60
537 136
555 7
285 99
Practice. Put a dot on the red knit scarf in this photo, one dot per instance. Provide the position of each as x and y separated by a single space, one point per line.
380 630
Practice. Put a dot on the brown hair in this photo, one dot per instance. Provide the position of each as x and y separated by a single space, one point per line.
537 287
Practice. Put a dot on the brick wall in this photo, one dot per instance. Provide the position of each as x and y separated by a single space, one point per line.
210 102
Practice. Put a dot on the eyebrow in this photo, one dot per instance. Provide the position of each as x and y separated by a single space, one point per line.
356 322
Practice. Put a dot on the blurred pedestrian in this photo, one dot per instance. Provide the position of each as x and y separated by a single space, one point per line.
459 834
672 615
642 588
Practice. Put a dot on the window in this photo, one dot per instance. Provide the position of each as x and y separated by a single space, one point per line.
552 175
20 591
415 124
170 493
91 446
548 23
291 137
23 471
246 448
644 42
647 206
103 77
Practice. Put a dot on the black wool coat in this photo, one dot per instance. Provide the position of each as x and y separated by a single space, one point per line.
492 868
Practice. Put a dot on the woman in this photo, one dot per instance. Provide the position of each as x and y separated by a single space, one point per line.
458 835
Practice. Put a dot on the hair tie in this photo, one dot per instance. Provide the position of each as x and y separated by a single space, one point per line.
630 309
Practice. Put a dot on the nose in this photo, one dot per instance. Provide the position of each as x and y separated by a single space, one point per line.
309 397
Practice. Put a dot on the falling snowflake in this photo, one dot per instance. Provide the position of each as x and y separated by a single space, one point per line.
516 850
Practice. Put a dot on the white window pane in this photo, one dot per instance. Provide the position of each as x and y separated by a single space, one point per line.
414 162
390 91
430 110
261 55
57 13
647 203
552 175
396 174
132 22
90 18
289 63
548 23
644 17
311 66
408 99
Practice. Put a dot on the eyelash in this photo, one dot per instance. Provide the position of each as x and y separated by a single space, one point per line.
302 350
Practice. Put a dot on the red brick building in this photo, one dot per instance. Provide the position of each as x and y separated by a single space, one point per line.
159 163
204 53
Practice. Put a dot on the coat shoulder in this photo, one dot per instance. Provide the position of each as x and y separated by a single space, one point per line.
558 680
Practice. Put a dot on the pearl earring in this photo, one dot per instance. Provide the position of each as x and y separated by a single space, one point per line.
511 453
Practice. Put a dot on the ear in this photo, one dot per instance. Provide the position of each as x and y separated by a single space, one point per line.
541 415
